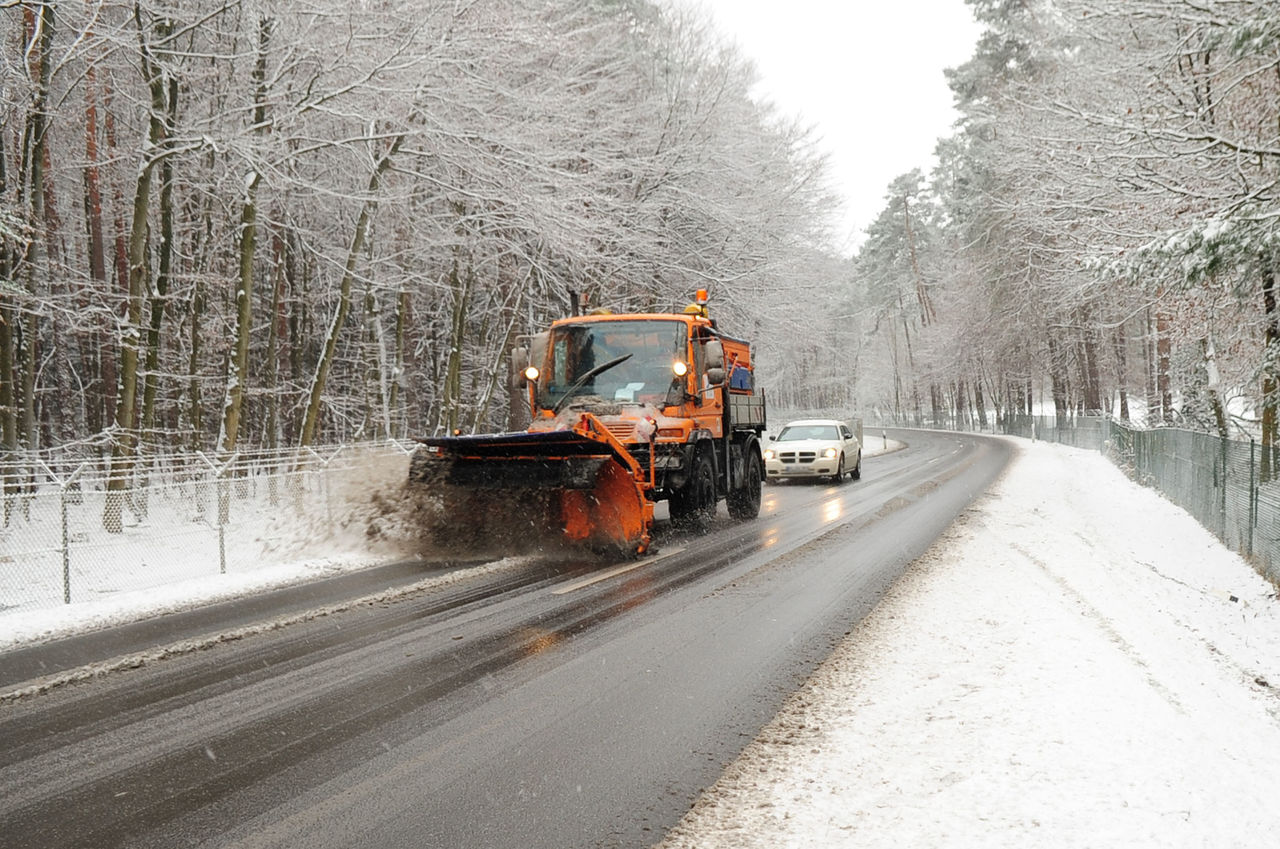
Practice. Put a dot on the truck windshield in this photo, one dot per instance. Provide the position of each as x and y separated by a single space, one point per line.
643 377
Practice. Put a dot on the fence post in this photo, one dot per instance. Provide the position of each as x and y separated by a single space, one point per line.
1253 493
63 485
324 478
224 513
66 549
223 494
1222 501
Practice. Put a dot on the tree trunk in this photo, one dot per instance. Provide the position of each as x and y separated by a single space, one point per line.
1149 373
1212 387
459 284
238 366
1163 354
1270 379
922 294
40 28
159 295
375 396
123 449
980 402
1122 371
1058 384
500 371
195 400
8 341
301 324
397 375
119 260
1092 388
95 358
312 415
276 333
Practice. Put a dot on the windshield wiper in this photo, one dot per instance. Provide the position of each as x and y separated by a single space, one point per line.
577 384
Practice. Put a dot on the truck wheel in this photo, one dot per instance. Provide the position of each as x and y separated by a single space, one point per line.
694 506
744 502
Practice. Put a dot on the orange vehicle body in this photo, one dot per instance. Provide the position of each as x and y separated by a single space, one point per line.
624 410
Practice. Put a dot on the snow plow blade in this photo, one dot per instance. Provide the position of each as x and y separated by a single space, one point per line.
578 486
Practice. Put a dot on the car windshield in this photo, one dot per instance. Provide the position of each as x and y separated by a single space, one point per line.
650 347
796 433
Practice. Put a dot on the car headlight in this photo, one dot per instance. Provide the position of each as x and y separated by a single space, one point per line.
830 453
768 454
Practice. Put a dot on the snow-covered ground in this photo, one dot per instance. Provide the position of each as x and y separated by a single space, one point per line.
357 516
1075 663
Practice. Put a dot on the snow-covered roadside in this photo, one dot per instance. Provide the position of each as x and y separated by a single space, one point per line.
1076 663
280 529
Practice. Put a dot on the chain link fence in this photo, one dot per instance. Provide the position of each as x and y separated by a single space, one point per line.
66 536
185 516
1220 482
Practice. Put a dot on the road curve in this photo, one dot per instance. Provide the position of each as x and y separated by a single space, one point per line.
553 704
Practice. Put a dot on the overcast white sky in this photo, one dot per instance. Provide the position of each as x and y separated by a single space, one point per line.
866 73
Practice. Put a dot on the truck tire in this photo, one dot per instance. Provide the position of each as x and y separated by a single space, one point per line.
693 506
744 502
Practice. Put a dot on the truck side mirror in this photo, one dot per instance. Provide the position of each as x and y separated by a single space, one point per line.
713 355
538 349
515 371
713 352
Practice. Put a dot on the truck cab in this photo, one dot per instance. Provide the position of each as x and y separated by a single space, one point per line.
677 393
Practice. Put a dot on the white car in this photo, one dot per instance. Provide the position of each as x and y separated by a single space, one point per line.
814 448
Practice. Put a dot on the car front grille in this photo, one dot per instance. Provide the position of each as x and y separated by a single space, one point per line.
797 456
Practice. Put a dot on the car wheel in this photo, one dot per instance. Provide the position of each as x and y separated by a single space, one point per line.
856 474
839 475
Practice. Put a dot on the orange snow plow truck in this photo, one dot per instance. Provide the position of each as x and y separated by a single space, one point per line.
626 410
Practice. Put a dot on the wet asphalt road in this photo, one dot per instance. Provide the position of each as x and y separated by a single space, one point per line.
557 704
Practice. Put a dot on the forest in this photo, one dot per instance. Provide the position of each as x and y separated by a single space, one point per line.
1100 233
231 225
257 224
